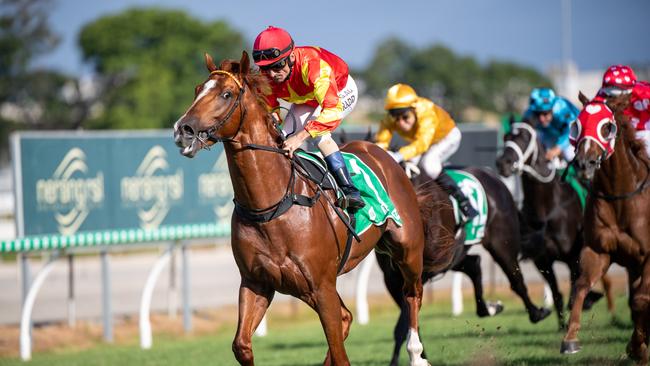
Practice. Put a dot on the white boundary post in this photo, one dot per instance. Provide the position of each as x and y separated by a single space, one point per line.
548 296
363 315
457 293
147 293
262 329
26 316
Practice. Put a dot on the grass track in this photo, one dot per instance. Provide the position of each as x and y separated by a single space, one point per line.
507 339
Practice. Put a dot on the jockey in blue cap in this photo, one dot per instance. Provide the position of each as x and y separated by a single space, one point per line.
552 115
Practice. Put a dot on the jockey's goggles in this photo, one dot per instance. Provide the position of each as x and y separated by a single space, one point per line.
276 66
398 113
270 53
613 91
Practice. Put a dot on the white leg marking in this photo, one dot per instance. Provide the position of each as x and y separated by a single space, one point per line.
415 348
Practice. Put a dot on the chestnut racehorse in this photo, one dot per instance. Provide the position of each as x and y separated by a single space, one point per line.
296 252
617 224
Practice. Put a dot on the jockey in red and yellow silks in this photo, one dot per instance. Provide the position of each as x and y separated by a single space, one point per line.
321 91
432 135
316 79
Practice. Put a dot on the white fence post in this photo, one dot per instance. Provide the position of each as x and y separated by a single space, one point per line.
363 315
457 293
147 293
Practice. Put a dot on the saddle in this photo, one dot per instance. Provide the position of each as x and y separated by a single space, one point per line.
315 170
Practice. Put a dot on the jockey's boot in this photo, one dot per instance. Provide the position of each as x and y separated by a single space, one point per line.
450 186
337 167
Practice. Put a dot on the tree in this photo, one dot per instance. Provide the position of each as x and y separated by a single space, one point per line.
158 54
24 34
455 82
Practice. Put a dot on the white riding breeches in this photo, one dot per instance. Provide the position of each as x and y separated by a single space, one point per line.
644 135
299 114
431 161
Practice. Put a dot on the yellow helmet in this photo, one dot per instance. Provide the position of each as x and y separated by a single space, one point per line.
400 96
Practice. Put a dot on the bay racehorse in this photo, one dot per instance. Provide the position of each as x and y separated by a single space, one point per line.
501 240
292 248
552 224
617 224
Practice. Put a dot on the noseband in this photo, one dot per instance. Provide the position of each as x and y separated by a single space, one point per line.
531 151
209 134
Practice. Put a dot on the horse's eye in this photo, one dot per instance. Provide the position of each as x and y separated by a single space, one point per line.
226 95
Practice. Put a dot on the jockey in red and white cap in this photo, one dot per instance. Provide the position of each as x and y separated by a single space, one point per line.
321 91
620 81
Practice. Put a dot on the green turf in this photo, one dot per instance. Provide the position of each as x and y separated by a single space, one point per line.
507 339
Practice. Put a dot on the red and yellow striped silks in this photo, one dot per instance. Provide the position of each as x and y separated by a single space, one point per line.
316 79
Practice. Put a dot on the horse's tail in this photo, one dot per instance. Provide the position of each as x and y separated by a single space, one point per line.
439 246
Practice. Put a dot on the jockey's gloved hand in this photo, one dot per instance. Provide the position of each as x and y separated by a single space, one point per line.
411 169
396 156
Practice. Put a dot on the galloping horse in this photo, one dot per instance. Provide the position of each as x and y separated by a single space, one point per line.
617 225
551 213
286 247
501 240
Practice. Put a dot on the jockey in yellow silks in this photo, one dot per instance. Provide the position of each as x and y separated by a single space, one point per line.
432 135
322 93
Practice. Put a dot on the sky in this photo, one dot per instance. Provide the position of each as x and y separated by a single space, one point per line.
602 32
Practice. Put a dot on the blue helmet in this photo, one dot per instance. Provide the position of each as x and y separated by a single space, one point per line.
542 99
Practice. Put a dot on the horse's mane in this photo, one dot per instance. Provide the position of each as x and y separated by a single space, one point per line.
628 132
637 146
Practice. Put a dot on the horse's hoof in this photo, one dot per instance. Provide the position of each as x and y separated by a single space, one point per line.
570 347
539 315
638 353
494 308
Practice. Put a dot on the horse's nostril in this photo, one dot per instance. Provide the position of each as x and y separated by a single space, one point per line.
187 130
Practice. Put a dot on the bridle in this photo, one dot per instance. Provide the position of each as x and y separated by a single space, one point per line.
209 134
531 151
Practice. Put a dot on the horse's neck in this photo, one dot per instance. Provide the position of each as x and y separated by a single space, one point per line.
259 178
621 172
538 196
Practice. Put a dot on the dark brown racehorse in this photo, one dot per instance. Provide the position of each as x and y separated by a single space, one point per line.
617 224
297 252
551 213
501 240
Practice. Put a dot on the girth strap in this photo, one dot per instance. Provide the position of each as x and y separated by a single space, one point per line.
280 208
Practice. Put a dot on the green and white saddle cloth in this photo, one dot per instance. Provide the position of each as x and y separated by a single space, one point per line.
379 206
473 190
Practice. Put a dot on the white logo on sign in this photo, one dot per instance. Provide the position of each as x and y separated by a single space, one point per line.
74 196
152 193
217 187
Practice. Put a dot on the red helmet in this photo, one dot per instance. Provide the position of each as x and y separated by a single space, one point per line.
618 77
272 45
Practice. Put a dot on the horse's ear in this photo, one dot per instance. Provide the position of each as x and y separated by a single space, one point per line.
583 98
244 64
369 136
209 63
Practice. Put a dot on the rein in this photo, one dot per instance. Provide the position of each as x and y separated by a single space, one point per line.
615 197
531 150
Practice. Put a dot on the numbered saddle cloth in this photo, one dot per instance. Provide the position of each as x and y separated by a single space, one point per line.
473 190
379 206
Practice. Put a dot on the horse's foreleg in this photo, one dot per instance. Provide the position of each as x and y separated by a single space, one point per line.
395 285
607 287
346 318
253 302
545 267
507 260
328 305
413 295
592 267
637 348
471 266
